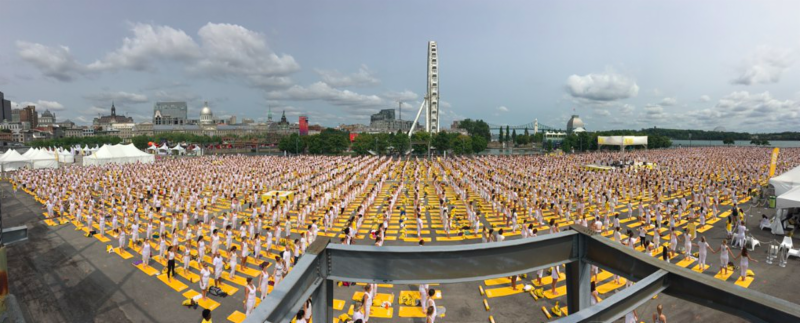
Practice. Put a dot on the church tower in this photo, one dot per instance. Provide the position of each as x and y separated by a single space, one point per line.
113 110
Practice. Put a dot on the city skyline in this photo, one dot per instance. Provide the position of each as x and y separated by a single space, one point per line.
670 65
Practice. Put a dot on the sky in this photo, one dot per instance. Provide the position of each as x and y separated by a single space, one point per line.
617 64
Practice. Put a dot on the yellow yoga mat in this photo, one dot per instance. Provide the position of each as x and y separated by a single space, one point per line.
410 311
208 303
699 270
122 253
376 311
603 275
101 238
504 291
238 280
338 304
744 283
150 271
408 293
236 317
175 284
560 290
453 238
497 281
720 276
685 262
610 286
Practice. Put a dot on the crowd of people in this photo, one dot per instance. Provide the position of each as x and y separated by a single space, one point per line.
209 213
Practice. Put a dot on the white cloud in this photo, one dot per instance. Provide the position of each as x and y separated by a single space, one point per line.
54 62
234 51
602 112
40 105
705 98
148 44
746 108
224 51
654 112
626 109
502 108
117 97
764 66
607 86
324 92
668 101
334 78
404 96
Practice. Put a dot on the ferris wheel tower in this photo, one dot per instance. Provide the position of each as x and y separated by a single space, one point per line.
431 102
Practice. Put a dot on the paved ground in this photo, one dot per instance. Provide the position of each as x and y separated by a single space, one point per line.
61 276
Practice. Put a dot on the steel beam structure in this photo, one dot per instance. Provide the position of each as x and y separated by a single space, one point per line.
448 264
578 248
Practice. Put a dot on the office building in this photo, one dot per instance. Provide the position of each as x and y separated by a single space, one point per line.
170 113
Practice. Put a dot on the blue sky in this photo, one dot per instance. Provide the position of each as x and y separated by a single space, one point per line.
619 64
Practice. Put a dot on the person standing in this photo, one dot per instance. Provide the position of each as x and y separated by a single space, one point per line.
170 262
249 297
205 274
658 316
744 262
218 268
263 280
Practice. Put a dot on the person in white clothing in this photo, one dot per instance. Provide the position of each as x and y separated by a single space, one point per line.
366 302
744 257
263 280
249 297
218 267
205 274
423 295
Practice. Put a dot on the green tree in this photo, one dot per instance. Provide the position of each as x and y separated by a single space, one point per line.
514 136
363 144
401 142
292 144
507 134
479 144
501 139
421 142
441 141
728 141
461 144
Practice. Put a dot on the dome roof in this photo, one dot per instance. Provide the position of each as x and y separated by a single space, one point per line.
206 110
719 129
574 122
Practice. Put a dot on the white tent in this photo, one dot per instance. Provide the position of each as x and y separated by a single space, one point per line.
119 154
12 160
180 150
786 181
789 199
152 148
65 157
43 159
197 150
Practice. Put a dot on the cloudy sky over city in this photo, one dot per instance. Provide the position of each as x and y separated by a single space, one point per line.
618 64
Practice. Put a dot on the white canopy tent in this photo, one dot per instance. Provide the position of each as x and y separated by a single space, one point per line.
12 160
152 148
789 199
197 150
786 181
180 150
118 154
43 159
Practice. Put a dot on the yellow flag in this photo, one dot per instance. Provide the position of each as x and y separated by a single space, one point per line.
773 162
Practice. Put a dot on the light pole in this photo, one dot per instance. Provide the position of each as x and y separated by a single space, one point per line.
376 146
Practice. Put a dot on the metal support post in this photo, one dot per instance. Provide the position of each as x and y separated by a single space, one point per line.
579 280
579 276
322 302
